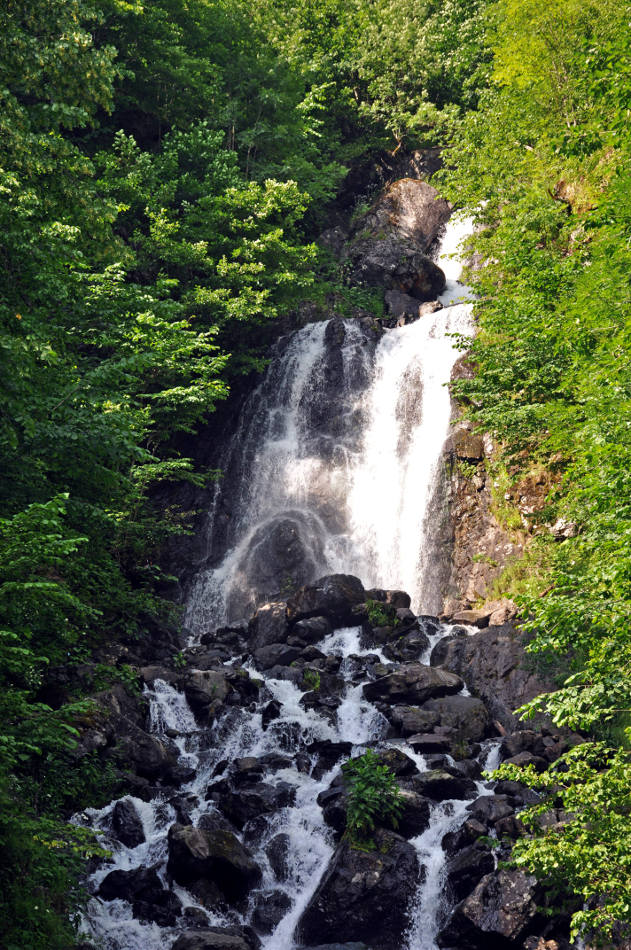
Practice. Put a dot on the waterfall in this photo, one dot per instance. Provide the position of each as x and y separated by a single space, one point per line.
335 460
334 466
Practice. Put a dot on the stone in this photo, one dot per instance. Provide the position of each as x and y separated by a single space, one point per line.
466 868
276 654
250 801
473 618
149 756
205 691
127 824
312 630
217 855
218 938
411 720
414 818
389 244
271 711
466 716
412 683
268 625
332 596
496 669
277 851
269 909
364 895
466 445
499 913
429 742
441 784
143 889
468 833
407 647
488 809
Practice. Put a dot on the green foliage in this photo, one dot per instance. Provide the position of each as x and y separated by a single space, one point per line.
588 851
373 796
544 164
311 679
381 615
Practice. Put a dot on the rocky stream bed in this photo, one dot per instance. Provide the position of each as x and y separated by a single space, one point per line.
233 832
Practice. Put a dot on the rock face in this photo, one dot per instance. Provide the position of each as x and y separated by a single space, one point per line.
334 596
363 895
389 244
501 911
493 662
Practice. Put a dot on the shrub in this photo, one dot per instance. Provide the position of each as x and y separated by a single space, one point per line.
373 796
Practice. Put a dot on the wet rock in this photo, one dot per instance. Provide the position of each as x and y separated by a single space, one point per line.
218 938
269 625
269 910
408 647
490 808
332 596
412 683
398 762
411 720
270 712
414 818
143 889
522 759
467 834
313 630
276 654
277 851
127 824
332 801
364 895
150 757
465 716
429 742
494 664
217 855
440 784
205 691
328 754
466 868
250 801
466 445
500 912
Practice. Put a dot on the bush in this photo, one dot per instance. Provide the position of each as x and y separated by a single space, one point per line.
373 796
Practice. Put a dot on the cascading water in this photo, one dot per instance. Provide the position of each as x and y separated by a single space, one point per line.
335 461
333 468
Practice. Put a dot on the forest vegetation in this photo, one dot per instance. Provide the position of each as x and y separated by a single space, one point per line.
165 169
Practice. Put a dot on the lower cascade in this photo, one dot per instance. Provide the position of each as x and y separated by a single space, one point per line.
235 835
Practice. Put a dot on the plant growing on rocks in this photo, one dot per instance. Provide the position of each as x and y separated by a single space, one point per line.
373 796
381 615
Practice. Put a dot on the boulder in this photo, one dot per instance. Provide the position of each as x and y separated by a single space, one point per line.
412 683
411 720
147 755
501 912
364 895
277 851
217 855
250 801
143 889
333 597
205 691
488 809
127 824
414 818
441 784
218 938
276 654
268 625
465 716
407 647
466 868
269 909
312 630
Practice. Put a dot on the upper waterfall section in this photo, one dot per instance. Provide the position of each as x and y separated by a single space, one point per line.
335 462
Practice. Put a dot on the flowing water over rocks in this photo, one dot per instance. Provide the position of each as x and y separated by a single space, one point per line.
233 835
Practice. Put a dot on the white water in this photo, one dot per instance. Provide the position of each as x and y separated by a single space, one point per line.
356 492
337 456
